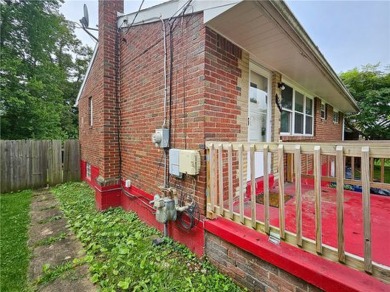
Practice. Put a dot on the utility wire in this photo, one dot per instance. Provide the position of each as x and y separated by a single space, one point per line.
139 9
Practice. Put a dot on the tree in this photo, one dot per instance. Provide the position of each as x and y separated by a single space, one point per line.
371 89
42 66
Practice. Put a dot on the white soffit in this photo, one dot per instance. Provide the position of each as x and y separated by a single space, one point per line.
273 39
166 10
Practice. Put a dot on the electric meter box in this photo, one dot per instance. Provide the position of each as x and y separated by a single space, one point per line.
189 162
161 138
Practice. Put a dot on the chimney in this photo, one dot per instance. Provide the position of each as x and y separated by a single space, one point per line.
109 156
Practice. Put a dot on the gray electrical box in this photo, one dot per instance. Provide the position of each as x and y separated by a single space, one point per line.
161 138
174 155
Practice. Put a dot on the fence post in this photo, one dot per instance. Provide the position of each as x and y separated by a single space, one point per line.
71 161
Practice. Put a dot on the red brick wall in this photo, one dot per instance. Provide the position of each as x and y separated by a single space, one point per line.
142 95
324 129
221 88
250 271
90 137
202 100
99 143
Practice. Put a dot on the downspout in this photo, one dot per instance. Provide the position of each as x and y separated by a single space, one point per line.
164 125
165 74
117 99
170 82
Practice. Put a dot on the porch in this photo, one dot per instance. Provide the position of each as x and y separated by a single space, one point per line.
325 210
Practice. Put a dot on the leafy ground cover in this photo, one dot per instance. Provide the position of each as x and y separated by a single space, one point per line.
121 254
14 253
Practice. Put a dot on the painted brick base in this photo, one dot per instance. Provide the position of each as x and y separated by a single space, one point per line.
249 271
252 260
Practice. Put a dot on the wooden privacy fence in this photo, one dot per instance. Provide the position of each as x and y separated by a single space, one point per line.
228 196
28 164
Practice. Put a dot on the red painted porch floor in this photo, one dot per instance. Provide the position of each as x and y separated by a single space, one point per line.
353 219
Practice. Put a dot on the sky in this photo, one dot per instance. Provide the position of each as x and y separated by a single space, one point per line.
349 34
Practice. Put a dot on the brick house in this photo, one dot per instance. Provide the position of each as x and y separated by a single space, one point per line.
203 70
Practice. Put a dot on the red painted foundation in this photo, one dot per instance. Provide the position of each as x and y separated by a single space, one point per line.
108 197
136 200
317 271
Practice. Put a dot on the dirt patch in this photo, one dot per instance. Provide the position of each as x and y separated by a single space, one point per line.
54 247
273 199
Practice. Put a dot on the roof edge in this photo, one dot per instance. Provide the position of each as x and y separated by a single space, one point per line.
292 21
86 74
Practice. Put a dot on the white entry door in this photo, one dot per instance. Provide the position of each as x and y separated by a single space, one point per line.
258 117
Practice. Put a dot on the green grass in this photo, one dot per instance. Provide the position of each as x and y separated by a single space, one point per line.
377 173
14 253
121 255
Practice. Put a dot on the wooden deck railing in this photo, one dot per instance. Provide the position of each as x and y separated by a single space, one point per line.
322 162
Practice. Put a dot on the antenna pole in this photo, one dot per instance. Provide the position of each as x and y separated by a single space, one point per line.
84 28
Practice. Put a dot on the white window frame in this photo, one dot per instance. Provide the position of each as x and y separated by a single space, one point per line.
90 111
324 111
336 116
293 111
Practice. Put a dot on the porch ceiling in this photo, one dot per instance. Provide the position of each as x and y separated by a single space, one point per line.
275 39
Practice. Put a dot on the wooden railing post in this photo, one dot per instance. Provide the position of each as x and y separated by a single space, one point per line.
230 180
340 170
317 194
241 182
281 191
211 180
365 165
220 178
382 170
253 185
298 193
266 189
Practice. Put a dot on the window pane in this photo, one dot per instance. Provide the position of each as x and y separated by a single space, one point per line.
258 81
309 106
336 117
299 102
298 129
287 97
285 122
323 111
309 125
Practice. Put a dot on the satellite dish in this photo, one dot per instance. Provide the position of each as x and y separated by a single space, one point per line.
85 20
